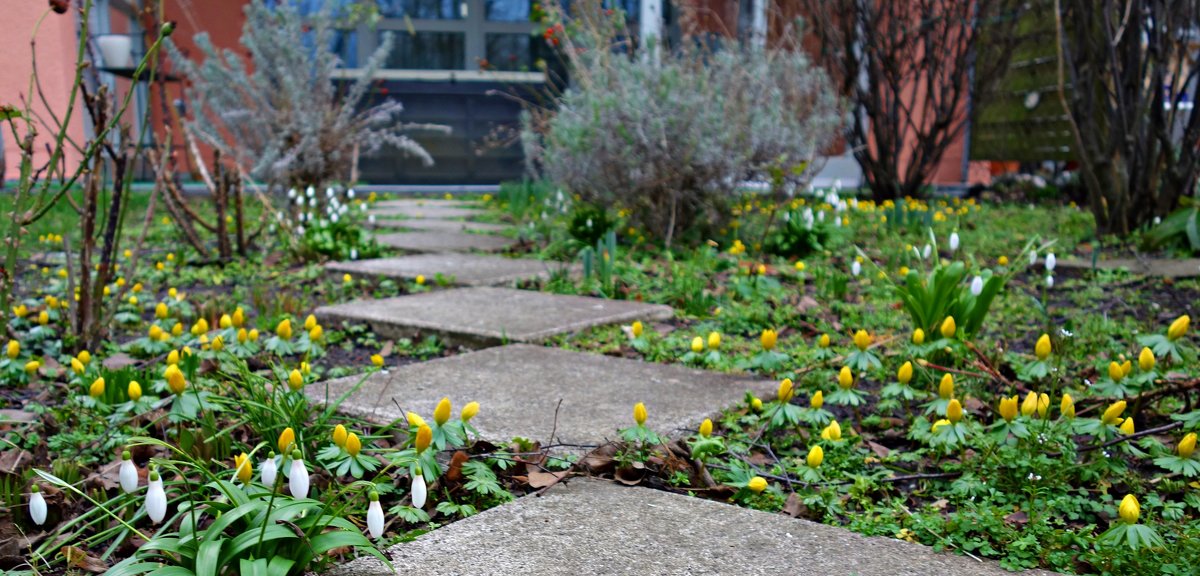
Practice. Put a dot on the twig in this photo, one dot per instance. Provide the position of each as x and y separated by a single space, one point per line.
1146 432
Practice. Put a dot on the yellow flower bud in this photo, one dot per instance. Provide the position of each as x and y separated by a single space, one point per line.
295 380
346 279
1146 360
1127 427
14 349
77 367
1127 367
96 390
225 322
1068 406
639 413
134 390
242 336
862 340
339 435
469 411
353 444
287 440
441 414
816 455
954 411
1112 414
832 432
32 366
757 484
420 279
817 400
949 327
414 420
1115 372
239 317
1187 445
756 404
244 468
43 318
636 328
1043 404
938 425
918 336
823 341
253 335
1129 509
714 340
769 337
173 357
846 378
175 379
315 333
424 438
1008 408
377 360
905 373
284 329
785 391
697 344
1042 348
1179 327
946 387
177 329
218 344
1029 406
161 311
1003 260
707 425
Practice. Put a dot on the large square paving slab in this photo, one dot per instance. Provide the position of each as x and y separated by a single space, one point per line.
435 241
441 225
437 212
1165 268
586 527
519 387
465 269
477 317
424 203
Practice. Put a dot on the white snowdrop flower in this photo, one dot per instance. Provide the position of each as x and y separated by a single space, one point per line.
128 473
350 193
837 222
37 506
300 230
371 219
856 268
291 193
354 253
343 209
310 192
954 241
362 207
1049 280
1032 257
279 216
977 286
928 250
333 218
1157 220
1051 261
269 470
156 499
298 477
418 489
821 216
312 202
375 516
329 192
837 184
299 200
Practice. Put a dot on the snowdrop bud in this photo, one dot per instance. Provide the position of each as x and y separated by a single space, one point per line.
953 241
418 489
350 193
1032 257
1049 281
37 506
156 499
977 286
928 250
291 193
354 253
128 473
269 470
329 192
310 192
371 219
298 477
856 268
375 516
1050 262
300 230
333 218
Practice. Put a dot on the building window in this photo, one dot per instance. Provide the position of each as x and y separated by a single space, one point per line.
507 10
515 52
421 9
427 51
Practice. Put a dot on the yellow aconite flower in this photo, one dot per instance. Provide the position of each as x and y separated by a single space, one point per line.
946 387
1043 404
1127 427
377 360
353 444
77 366
174 378
938 425
846 378
441 414
1003 260
832 432
225 322
284 329
1029 406
310 322
1042 348
242 336
287 439
862 340
954 411
244 468
177 329
414 420
218 344
636 328
824 341
339 435
1112 414
815 456
757 484
469 411
1187 445
1146 360
96 390
134 390
1115 372
1127 367
173 357
697 344
161 311
768 339
20 311
43 318
905 373
239 317
785 391
1179 327
346 279
32 366
200 327
639 413
1008 408
14 349
1068 406
714 340
305 368
706 429
817 400
756 404
315 333
295 380
155 332
949 327
253 335
424 437
1130 509
918 336
420 279
800 266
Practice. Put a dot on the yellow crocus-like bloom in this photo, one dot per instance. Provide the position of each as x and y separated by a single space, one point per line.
77 367
832 432
905 373
242 336
862 340
155 333
1003 260
1042 348
239 317
707 425
161 311
769 337
245 470
639 413
177 329
32 366
846 378
1112 414
1127 367
714 340
20 311
1179 327
14 349
1008 408
636 328
424 438
1146 360
757 484
815 456
173 357
817 400
441 414
697 344
134 390
1115 372
414 420
469 411
305 368
904 271
823 341
918 336
284 329
347 279
377 360
756 404
1127 427
218 344
287 440
96 390
949 327
800 266
43 318
353 444
1029 406
946 387
315 333
175 379
295 380
420 279
954 411
339 435
1043 404
253 335
310 322
785 391
225 322
1129 509
1068 406
1187 445
137 287
938 425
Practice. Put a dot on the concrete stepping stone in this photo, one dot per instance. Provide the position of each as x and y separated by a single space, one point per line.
477 317
585 527
424 203
464 269
1183 268
444 241
436 212
441 225
519 386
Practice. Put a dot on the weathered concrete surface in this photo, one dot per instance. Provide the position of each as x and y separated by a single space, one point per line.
466 269
590 527
478 317
434 241
519 387
1185 268
437 212
424 203
441 225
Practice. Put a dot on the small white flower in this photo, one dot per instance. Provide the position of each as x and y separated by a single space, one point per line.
37 506
954 241
354 253
928 250
269 471
375 517
371 219
291 193
329 192
350 193
298 478
856 268
310 192
821 215
1032 257
977 286
1051 261
156 499
333 218
300 230
1049 281
418 490
128 473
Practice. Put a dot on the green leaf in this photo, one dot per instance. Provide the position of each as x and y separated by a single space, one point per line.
209 555
323 543
9 112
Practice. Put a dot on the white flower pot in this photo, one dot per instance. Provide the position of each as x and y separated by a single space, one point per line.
116 50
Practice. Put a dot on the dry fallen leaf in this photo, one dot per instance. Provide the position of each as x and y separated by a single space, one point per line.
539 479
80 558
